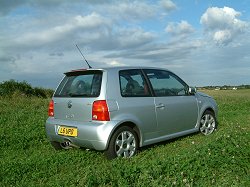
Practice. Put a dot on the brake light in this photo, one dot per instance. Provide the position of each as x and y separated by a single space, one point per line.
100 111
51 109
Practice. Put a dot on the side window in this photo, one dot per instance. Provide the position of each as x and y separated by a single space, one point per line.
132 84
165 83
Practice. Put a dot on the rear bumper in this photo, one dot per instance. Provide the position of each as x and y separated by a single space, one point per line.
93 135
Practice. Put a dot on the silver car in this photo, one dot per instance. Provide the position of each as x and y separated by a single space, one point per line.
119 109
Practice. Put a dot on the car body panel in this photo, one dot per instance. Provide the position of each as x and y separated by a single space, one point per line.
176 113
75 109
91 134
143 115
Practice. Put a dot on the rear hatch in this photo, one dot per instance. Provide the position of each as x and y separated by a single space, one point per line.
75 95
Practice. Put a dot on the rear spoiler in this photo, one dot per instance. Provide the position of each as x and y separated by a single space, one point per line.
82 71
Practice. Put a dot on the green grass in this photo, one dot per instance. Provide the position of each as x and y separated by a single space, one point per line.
220 159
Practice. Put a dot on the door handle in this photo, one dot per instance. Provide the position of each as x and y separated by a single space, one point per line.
160 105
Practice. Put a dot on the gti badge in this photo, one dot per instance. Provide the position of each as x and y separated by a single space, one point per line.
69 104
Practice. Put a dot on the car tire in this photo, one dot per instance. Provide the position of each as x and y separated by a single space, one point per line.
123 143
208 123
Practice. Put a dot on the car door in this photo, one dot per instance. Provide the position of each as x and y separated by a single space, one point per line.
176 110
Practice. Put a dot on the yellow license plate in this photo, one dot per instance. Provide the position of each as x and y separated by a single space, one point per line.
67 131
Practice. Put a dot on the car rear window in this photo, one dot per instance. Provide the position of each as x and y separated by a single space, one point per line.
80 84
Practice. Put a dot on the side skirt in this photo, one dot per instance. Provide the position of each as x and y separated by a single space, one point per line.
170 136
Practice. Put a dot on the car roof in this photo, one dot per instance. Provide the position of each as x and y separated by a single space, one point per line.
117 68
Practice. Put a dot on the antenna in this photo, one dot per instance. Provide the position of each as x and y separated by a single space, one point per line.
83 56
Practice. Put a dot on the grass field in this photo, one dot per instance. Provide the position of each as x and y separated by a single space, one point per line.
221 159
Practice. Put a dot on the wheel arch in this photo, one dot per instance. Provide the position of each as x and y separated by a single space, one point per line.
202 111
130 124
209 109
214 112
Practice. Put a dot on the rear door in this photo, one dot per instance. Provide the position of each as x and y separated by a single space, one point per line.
74 97
176 110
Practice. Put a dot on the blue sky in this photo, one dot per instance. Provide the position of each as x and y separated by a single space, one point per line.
204 42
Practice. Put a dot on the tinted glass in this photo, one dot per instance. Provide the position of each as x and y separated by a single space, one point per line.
80 84
133 84
165 83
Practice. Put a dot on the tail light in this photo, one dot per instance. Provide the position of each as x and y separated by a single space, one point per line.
51 109
100 111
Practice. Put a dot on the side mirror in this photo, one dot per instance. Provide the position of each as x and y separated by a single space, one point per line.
192 90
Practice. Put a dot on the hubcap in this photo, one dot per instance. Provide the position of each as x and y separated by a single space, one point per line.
207 124
125 144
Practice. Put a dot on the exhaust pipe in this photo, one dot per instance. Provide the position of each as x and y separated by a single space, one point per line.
68 145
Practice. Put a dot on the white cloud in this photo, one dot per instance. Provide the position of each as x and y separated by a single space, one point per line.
222 24
179 29
172 54
222 36
93 30
128 11
114 63
221 18
129 38
168 5
59 32
9 5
